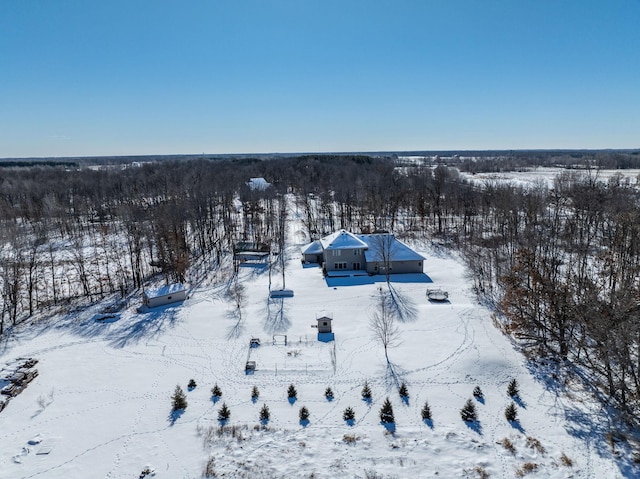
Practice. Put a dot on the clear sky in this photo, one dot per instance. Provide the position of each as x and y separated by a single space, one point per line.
112 77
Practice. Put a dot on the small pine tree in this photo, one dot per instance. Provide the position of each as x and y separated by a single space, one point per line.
328 393
386 412
403 391
192 384
224 413
291 392
178 400
468 412
511 413
477 393
512 390
349 414
255 394
216 391
426 412
304 413
366 391
265 415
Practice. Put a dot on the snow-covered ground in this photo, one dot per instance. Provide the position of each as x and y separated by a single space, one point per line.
101 404
546 176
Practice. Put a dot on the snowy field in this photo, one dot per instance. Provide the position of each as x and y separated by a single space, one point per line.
100 407
546 176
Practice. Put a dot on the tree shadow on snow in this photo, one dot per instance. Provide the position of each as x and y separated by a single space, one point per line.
428 422
402 305
174 416
276 318
237 327
389 426
474 426
393 375
591 425
145 325
517 426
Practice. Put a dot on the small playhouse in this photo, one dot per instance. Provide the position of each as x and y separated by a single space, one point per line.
171 293
325 332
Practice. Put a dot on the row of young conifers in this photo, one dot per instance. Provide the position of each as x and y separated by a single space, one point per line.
560 263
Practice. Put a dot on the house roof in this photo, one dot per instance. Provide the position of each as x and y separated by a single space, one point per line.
164 290
342 240
313 248
398 251
259 184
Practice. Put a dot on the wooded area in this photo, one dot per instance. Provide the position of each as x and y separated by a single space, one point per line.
561 265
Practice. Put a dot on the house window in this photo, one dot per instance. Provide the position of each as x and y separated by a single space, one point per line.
168 298
356 266
341 265
420 263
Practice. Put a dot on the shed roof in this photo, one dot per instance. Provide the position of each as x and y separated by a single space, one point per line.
342 240
164 290
397 249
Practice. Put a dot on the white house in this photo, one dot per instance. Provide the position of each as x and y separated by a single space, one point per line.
171 293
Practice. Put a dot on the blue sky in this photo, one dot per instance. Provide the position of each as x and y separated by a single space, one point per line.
85 77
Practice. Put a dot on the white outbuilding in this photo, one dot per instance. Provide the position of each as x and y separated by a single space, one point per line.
171 293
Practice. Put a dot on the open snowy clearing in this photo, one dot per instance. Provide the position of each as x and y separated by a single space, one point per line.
100 406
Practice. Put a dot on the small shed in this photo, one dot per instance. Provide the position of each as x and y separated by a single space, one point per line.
324 324
168 294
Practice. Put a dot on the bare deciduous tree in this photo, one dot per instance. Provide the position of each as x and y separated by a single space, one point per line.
383 323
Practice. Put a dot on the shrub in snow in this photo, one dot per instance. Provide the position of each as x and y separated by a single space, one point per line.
366 392
304 413
468 412
511 413
265 415
426 412
224 413
178 400
216 392
255 394
291 392
533 443
386 412
349 414
508 445
477 393
566 461
192 384
403 391
512 389
328 393
210 468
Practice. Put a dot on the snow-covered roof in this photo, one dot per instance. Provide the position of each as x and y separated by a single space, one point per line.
258 184
164 290
342 240
397 249
313 248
